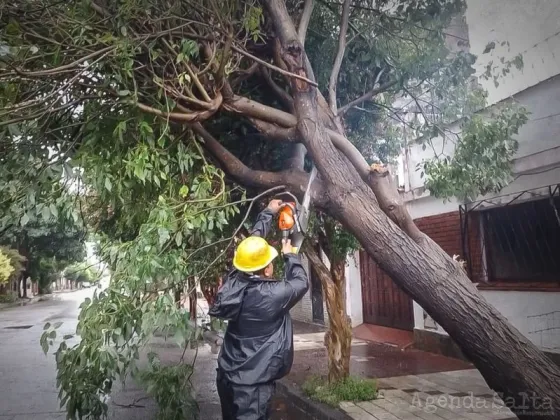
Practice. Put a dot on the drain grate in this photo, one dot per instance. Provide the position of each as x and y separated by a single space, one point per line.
19 327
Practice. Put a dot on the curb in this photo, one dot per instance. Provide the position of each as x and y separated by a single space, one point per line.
31 301
310 409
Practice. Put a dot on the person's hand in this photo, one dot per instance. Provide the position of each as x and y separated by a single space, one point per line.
274 206
287 246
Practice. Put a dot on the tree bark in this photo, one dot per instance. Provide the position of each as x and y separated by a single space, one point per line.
510 363
210 292
193 301
178 298
338 338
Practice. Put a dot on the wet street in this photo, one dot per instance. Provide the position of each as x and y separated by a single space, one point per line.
28 377
28 385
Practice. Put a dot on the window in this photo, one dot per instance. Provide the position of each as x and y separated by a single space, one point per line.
522 241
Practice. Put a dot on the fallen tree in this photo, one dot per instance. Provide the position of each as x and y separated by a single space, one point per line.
123 86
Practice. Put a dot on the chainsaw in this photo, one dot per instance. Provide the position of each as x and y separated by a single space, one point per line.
293 217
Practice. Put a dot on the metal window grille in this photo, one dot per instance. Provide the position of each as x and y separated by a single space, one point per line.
513 238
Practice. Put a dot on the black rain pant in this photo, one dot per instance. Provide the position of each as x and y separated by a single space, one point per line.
245 402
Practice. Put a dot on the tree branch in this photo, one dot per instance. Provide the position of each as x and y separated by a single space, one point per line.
274 132
295 180
273 67
318 265
339 55
382 184
185 116
60 69
281 93
304 21
250 108
297 158
366 96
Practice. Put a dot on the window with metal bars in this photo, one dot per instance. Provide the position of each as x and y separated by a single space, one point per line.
522 241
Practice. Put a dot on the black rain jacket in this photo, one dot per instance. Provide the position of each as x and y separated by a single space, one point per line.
258 344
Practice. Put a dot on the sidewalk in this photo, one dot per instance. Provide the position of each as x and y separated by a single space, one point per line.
26 301
413 384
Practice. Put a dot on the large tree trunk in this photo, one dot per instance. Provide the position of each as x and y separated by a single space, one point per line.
339 335
338 338
509 362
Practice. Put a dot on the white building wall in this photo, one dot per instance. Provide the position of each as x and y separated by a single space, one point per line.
539 148
532 28
303 310
535 314
354 306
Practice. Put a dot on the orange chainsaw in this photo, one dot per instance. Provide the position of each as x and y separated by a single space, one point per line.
293 217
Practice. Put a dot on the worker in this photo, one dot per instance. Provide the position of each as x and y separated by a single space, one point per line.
258 346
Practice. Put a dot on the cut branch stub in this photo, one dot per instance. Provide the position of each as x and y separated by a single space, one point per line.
380 181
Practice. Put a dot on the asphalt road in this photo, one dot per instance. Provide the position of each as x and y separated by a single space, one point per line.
28 377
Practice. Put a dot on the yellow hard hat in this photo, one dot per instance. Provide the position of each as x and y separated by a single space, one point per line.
253 254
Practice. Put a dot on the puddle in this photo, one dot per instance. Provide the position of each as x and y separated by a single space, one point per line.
18 327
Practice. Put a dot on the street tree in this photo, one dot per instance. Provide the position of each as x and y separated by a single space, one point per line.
6 268
139 94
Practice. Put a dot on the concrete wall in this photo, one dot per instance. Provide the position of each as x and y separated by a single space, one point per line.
303 310
539 148
354 306
531 28
537 164
535 314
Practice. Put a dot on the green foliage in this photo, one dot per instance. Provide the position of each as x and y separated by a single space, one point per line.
335 241
6 268
481 162
90 141
82 272
8 298
350 389
170 388
17 261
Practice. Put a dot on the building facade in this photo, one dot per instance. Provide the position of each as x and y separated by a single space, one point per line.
510 241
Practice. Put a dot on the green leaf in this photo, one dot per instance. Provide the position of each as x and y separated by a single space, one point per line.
46 213
179 238
57 325
489 47
184 191
45 346
163 235
24 219
108 184
54 210
46 326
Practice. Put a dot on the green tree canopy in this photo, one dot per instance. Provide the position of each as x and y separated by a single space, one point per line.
6 268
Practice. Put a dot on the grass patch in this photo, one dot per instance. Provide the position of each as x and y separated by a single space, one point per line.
351 389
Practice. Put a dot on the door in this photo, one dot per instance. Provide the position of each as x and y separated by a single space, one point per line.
384 303
317 299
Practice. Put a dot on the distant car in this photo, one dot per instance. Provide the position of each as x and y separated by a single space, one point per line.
86 284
